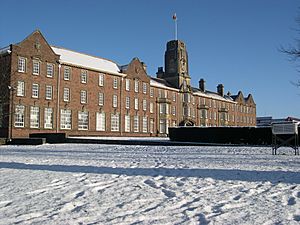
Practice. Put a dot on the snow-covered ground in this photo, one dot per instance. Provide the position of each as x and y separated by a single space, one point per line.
110 184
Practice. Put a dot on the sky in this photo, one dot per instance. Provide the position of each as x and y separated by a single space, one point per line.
233 42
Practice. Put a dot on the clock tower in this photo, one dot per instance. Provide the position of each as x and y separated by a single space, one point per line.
176 65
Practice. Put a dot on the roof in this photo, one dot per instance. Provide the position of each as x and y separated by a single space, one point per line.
4 50
86 61
161 83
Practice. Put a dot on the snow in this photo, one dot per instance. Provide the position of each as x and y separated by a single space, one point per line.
5 50
86 61
119 184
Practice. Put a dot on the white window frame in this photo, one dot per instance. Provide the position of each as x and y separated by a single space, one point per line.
115 101
48 92
174 96
67 73
83 120
19 116
22 64
127 102
101 99
136 124
21 89
50 70
36 67
34 117
136 85
83 96
127 123
136 103
173 110
144 88
151 92
151 107
66 94
127 84
35 91
144 105
115 83
145 124
100 121
101 79
83 76
114 122
65 119
48 118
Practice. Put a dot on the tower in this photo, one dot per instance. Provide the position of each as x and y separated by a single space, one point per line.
176 65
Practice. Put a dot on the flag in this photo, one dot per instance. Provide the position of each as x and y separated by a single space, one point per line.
174 16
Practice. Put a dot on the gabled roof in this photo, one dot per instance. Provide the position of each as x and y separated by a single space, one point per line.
86 61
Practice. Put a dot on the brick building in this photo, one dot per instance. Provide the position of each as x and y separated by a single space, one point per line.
47 89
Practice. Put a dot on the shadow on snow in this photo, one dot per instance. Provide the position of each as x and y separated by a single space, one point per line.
218 174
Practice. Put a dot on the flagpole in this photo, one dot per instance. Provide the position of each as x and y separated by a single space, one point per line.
176 29
175 22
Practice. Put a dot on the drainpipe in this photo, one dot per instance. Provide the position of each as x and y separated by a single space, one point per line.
120 125
58 98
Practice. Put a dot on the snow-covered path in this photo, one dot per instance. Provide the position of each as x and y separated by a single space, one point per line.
109 184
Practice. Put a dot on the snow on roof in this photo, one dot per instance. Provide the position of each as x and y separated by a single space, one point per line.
156 83
4 50
86 61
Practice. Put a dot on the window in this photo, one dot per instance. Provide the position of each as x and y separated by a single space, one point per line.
36 67
48 118
65 119
163 108
136 124
163 126
83 76
127 123
100 121
144 104
127 85
50 70
144 88
159 93
174 97
34 117
22 65
19 116
101 79
136 85
101 99
21 88
151 107
151 126
114 122
145 124
48 92
67 73
127 103
174 110
115 101
66 94
115 83
136 104
83 120
35 91
151 91
83 97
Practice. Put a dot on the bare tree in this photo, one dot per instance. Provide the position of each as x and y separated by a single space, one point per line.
293 51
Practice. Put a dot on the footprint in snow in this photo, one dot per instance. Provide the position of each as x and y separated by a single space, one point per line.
291 201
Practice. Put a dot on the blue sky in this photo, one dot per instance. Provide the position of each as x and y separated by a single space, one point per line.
234 42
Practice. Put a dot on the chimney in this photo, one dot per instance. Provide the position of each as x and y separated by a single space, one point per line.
144 66
202 85
160 72
220 89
